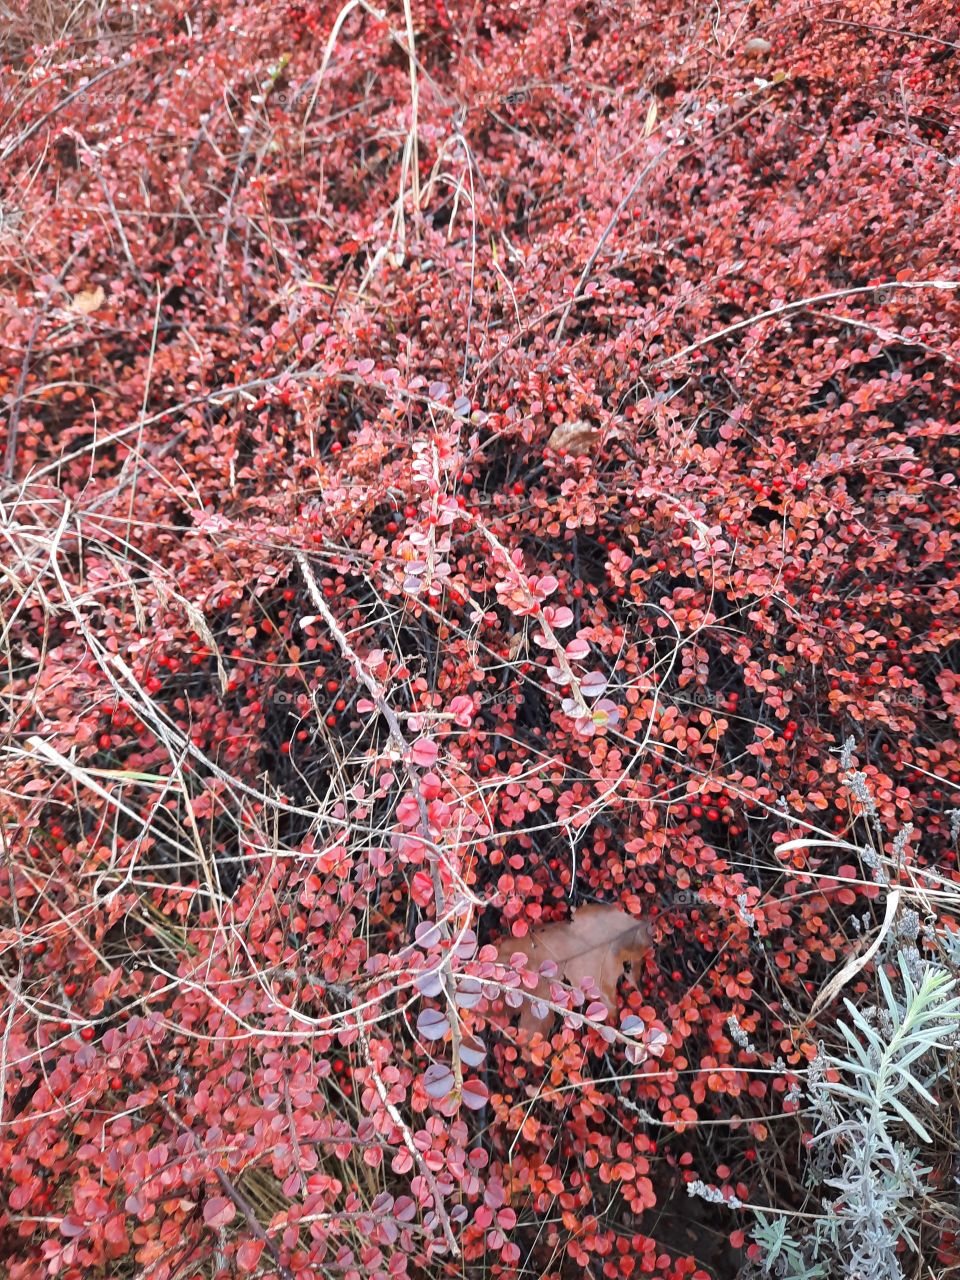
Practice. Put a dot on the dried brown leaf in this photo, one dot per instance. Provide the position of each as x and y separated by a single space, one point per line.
88 300
596 942
574 438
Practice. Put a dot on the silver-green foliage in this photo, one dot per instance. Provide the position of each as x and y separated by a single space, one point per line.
888 1068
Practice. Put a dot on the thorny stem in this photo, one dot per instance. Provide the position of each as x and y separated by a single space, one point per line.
607 231
786 308
408 1142
402 747
10 453
556 645
229 1190
606 1030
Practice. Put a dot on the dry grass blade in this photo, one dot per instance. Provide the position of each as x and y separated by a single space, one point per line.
853 967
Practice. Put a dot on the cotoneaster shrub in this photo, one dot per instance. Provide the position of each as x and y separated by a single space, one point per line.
462 461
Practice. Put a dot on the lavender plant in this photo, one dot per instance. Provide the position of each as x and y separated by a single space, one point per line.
868 1097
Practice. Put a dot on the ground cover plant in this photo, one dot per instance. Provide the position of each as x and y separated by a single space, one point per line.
466 462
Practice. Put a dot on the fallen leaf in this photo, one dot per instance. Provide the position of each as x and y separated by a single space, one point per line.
596 942
651 120
87 300
574 438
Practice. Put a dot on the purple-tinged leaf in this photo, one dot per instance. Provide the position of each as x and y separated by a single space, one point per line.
468 993
428 934
432 1024
404 1209
475 1094
472 1051
466 947
438 1080
593 684
428 983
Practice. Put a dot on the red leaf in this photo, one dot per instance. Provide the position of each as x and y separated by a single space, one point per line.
219 1212
248 1254
424 753
408 811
